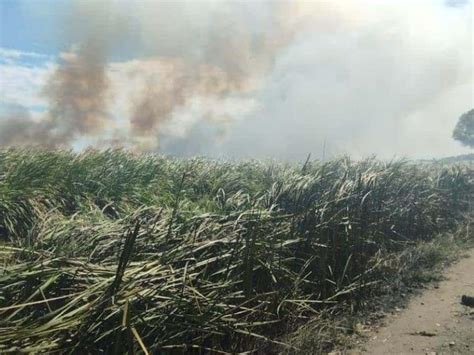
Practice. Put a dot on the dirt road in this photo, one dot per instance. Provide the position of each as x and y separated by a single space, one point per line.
435 321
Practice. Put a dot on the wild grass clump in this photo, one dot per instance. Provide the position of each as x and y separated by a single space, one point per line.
115 252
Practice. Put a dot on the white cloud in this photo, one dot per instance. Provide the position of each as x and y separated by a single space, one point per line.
21 84
16 54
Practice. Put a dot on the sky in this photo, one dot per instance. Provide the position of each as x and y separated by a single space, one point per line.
277 79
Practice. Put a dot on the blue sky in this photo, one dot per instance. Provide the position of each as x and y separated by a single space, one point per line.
33 28
32 34
50 26
29 42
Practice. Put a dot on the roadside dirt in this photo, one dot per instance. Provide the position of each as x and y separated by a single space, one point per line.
433 322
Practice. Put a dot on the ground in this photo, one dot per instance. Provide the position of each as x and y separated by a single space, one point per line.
434 321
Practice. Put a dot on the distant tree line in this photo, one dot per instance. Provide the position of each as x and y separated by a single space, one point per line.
464 130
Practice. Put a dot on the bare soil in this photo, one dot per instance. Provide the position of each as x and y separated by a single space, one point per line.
434 321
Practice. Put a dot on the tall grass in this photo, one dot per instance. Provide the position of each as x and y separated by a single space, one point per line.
115 252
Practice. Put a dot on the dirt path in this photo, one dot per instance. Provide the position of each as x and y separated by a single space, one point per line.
435 321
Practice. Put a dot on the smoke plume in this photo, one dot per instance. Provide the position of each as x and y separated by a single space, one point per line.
19 129
268 79
77 92
231 59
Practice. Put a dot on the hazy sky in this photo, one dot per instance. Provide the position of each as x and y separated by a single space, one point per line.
227 78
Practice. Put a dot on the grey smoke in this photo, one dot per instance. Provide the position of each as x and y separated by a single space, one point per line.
369 88
366 77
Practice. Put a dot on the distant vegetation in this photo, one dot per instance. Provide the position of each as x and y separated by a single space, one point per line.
110 251
457 159
464 130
